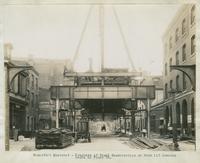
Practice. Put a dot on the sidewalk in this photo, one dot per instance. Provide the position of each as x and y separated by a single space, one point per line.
26 144
183 145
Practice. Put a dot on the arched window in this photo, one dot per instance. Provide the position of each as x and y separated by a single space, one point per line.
166 91
177 58
171 84
193 14
171 115
167 116
177 83
165 69
170 63
193 44
170 42
184 52
192 113
183 26
177 35
184 114
178 115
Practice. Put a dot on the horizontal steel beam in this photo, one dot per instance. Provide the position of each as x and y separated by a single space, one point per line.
106 92
100 74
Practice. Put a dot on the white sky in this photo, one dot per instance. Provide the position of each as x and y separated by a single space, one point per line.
54 31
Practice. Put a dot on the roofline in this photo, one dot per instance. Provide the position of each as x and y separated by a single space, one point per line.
177 15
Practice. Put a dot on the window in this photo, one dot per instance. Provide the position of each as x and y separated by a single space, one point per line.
28 95
193 44
28 123
32 100
184 82
166 47
183 26
36 100
166 91
32 85
184 52
177 35
36 83
171 84
170 63
171 115
177 83
193 14
165 69
28 82
170 42
177 58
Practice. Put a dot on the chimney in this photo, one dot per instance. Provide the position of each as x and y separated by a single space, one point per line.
8 51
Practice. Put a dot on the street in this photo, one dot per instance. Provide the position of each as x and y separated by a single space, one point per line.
103 143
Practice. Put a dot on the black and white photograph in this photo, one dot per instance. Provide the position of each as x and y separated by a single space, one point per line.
98 76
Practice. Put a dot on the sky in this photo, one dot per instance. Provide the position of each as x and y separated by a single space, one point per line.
53 31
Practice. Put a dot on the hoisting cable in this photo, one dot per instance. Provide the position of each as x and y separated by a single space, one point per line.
123 38
82 35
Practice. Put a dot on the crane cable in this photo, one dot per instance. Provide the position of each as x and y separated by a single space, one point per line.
123 38
82 34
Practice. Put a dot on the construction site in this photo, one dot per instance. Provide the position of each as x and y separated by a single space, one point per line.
109 109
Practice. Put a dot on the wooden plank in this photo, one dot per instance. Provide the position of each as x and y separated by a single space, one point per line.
140 144
146 142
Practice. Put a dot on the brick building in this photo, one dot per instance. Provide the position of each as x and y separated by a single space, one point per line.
24 100
180 50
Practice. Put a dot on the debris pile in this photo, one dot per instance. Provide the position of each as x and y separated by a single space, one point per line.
145 143
53 138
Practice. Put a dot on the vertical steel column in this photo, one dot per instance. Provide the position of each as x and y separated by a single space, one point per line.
102 100
132 122
74 128
57 112
148 117
120 124
125 124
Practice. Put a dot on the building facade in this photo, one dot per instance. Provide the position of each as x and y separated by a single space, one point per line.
179 50
32 96
23 100
141 116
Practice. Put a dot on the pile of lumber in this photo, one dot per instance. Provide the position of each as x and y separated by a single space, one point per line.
53 138
145 143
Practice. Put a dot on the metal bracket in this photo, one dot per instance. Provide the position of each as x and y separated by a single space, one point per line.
14 71
189 71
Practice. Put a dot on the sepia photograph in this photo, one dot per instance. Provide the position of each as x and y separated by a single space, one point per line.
98 77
